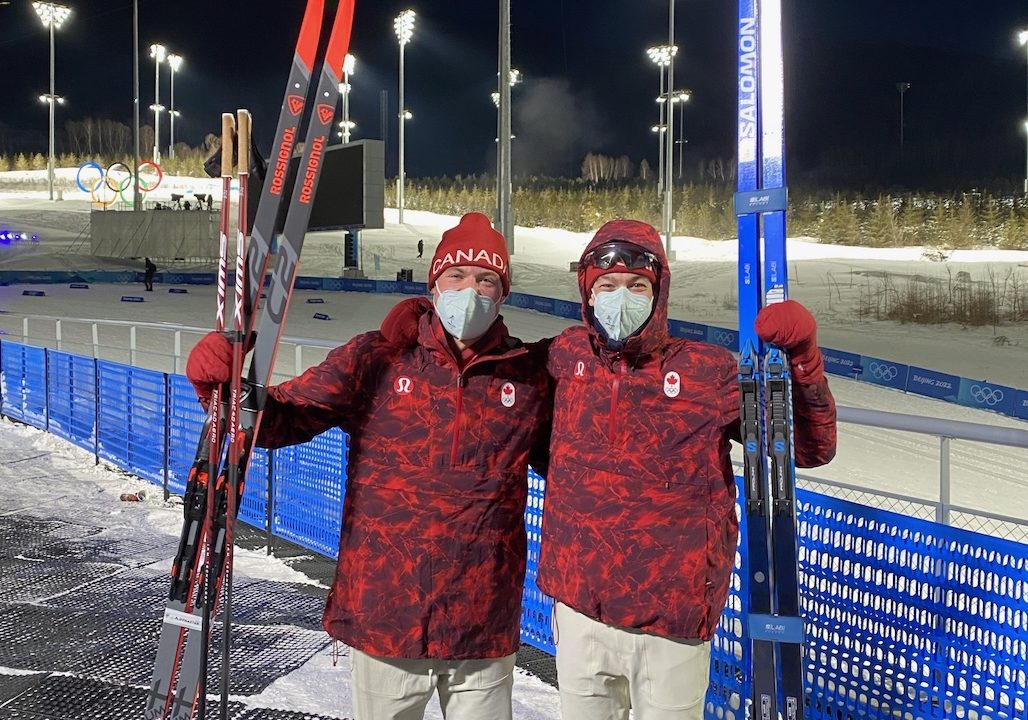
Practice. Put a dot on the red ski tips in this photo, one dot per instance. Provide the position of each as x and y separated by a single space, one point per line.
310 33
339 43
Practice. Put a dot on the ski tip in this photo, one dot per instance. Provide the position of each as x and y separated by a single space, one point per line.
310 33
339 43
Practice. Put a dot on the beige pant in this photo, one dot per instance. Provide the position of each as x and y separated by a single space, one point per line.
398 689
604 670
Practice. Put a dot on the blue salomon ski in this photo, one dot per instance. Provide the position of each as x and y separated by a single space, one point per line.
774 625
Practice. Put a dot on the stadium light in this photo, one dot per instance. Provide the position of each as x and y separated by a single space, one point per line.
53 16
1022 37
174 62
158 53
403 24
349 65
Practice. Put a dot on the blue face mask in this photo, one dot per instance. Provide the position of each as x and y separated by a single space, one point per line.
620 312
465 314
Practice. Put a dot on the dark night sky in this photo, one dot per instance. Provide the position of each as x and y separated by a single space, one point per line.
588 83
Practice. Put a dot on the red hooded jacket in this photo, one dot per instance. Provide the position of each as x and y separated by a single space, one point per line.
432 551
640 526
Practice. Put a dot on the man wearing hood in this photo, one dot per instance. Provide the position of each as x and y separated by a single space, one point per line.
640 529
432 553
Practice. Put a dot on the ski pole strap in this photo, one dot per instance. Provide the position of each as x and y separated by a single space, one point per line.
752 202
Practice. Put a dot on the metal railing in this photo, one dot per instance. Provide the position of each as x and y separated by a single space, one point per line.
943 510
164 347
154 346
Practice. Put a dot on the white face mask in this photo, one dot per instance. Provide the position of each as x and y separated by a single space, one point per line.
621 312
464 313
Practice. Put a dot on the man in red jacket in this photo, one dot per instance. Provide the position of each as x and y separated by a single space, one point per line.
640 528
432 553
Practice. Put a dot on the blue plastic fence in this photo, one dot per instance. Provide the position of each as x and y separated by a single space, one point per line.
905 618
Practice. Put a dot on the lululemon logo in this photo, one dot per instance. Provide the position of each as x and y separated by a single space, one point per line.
507 395
403 385
580 369
672 384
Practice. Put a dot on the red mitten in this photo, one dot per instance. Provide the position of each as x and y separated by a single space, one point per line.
400 326
790 326
209 365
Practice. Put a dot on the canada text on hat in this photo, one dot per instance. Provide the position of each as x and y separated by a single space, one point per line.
473 242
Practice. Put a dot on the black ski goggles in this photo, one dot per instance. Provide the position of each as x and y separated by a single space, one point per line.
618 252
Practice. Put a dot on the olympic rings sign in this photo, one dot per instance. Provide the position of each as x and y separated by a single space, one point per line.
985 395
883 372
107 185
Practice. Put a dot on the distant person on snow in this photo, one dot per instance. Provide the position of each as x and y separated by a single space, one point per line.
148 274
640 530
433 547
421 247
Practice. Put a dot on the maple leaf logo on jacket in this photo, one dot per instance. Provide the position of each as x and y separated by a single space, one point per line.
672 384
507 395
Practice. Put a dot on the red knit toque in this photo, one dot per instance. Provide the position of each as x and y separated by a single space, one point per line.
472 242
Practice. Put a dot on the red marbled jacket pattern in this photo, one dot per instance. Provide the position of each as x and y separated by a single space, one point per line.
639 527
433 548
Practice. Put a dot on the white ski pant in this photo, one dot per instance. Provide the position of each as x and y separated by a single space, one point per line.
604 670
399 689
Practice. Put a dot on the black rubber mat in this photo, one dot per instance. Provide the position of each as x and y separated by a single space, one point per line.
266 604
538 663
11 686
74 698
265 714
74 599
36 580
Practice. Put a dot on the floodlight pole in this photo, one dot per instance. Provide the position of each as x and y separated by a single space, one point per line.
52 16
53 110
669 143
1023 39
505 212
404 27
136 195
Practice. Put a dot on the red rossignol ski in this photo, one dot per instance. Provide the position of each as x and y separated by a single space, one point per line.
266 340
180 615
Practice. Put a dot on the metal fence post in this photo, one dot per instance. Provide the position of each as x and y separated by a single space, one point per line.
178 350
132 345
167 433
96 340
57 333
46 389
270 504
944 482
96 408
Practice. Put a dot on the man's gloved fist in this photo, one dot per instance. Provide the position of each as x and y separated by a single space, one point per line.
790 326
400 326
209 365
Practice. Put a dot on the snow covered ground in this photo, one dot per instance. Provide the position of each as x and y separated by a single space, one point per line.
827 279
45 478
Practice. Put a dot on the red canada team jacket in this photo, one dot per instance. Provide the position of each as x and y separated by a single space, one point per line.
639 526
433 547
